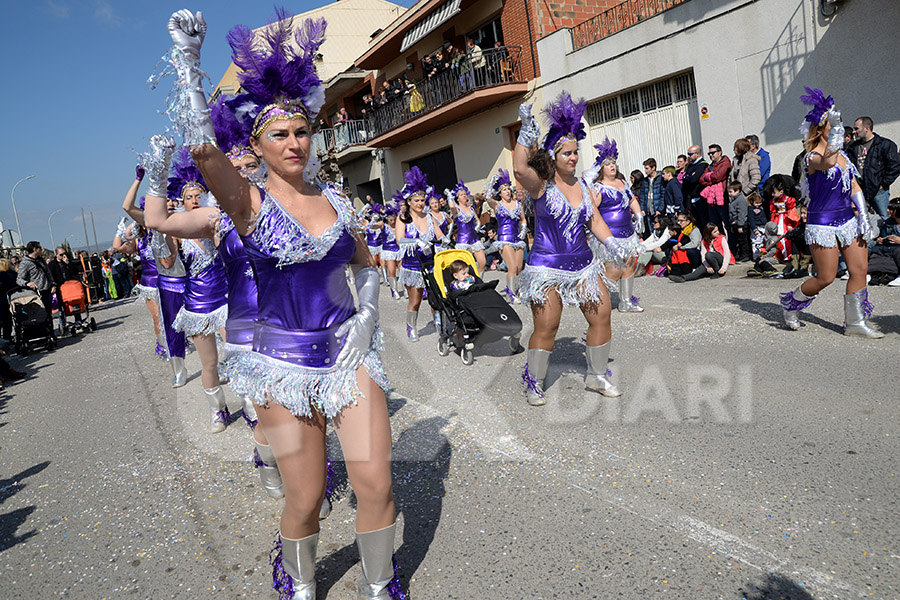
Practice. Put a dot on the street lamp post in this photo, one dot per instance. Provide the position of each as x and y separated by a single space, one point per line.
52 241
13 197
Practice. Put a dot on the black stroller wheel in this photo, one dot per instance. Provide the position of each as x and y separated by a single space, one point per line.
93 324
467 356
443 346
514 346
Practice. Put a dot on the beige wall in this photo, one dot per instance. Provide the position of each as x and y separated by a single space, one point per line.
363 169
751 60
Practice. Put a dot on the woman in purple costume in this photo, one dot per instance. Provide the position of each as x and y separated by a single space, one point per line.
147 288
623 215
441 222
830 185
416 232
465 219
512 229
561 269
315 355
390 249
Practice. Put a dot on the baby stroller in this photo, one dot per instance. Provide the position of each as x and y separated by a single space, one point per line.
471 318
74 303
32 323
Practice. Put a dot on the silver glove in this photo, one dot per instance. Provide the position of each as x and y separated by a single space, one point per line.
531 131
187 31
639 226
618 249
863 227
359 328
162 147
523 232
424 247
836 134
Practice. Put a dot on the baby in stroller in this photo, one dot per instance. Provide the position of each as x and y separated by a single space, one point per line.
462 279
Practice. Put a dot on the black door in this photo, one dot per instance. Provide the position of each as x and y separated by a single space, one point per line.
440 168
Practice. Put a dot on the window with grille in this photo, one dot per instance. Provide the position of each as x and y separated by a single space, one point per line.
643 99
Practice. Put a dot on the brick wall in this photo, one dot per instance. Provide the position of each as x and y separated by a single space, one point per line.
555 15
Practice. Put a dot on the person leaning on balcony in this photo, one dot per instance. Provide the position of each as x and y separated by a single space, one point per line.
476 57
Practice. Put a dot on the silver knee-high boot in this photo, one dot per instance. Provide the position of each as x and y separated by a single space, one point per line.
179 373
162 348
411 333
269 475
535 371
392 283
857 309
597 377
514 289
376 555
248 409
218 410
628 302
298 558
791 305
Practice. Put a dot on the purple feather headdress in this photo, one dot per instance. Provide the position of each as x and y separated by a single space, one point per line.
460 187
232 137
279 80
606 152
564 117
377 209
498 181
391 209
820 107
184 175
416 183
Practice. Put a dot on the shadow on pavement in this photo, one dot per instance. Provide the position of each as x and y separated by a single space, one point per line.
12 486
775 587
772 312
886 323
11 521
421 463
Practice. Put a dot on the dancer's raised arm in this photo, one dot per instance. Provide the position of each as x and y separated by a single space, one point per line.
528 138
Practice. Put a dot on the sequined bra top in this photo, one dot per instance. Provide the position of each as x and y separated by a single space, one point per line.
615 208
560 239
829 192
300 277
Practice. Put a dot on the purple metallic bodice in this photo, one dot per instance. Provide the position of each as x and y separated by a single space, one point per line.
508 223
465 228
207 288
242 308
441 226
303 291
829 194
412 259
615 209
389 240
560 240
373 237
149 273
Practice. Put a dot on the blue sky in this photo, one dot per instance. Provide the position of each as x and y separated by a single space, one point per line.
75 101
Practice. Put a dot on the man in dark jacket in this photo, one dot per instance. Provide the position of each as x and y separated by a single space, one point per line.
674 200
690 186
877 160
62 270
33 273
651 196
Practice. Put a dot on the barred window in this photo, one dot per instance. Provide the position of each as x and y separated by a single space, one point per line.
685 87
603 111
646 98
631 104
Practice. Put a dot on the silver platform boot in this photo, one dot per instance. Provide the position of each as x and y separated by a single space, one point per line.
514 289
248 409
857 309
218 410
536 366
395 293
597 376
791 305
411 333
162 344
376 555
269 475
628 302
179 372
298 559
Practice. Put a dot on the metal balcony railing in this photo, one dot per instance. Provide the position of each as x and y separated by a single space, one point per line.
619 17
340 137
499 66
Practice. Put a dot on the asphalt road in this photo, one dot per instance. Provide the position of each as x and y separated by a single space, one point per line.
743 461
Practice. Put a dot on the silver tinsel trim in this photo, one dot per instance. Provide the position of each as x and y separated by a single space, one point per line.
464 217
202 253
158 246
192 323
122 229
374 250
411 278
223 224
573 287
473 247
829 237
631 245
517 245
569 219
302 389
296 244
390 255
515 215
143 292
191 123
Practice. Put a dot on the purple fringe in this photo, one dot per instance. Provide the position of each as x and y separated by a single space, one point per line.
635 301
394 589
530 383
868 308
251 423
257 459
330 490
223 416
609 373
161 352
791 304
281 581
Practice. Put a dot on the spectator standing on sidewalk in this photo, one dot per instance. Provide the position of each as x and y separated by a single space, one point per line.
737 211
681 164
7 283
673 200
690 186
745 168
61 270
714 181
651 198
35 274
877 160
765 161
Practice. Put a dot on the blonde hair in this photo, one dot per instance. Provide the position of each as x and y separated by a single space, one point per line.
817 133
5 265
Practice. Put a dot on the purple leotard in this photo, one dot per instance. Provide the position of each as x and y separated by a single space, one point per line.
830 217
206 294
373 240
242 307
171 284
466 236
390 249
615 208
560 257
508 226
147 289
411 264
303 300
